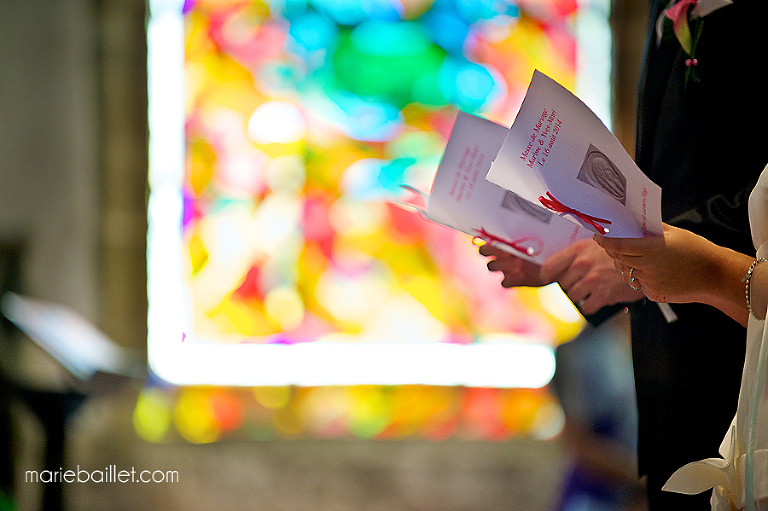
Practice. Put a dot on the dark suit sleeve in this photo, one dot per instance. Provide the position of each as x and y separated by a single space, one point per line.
604 314
724 220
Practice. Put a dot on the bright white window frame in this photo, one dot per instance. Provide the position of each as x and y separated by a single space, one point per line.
505 364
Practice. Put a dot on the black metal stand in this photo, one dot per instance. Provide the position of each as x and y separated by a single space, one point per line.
54 410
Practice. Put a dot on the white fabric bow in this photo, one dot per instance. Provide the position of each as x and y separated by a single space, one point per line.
717 473
725 476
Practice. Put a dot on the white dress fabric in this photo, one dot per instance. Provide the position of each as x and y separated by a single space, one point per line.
725 476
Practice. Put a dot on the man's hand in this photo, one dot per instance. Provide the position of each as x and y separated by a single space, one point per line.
584 271
516 271
588 276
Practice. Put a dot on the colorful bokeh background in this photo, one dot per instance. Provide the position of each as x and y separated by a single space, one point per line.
302 120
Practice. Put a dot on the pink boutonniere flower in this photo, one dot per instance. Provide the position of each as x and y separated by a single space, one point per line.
687 20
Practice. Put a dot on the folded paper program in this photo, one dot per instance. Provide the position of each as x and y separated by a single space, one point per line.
558 147
461 197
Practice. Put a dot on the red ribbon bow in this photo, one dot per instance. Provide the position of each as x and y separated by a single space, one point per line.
517 244
558 207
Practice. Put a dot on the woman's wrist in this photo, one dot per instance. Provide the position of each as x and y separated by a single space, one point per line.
726 285
756 288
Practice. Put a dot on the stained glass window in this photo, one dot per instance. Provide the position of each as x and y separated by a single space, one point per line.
278 252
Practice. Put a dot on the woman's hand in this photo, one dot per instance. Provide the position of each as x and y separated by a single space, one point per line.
678 266
681 267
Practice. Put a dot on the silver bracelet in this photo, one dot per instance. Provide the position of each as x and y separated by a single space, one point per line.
748 279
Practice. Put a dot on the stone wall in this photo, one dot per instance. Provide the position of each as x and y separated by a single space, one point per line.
291 475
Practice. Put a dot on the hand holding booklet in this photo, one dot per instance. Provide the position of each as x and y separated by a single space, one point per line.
562 176
558 175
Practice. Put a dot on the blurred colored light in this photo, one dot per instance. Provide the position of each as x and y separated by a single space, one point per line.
548 421
469 85
241 174
287 422
286 8
383 9
357 218
474 10
275 223
388 39
285 307
194 417
365 120
313 32
285 174
403 319
277 122
343 12
325 410
227 410
351 297
152 415
369 413
447 29
272 398
374 180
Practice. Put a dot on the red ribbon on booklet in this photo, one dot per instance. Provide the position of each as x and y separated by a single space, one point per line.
555 205
517 244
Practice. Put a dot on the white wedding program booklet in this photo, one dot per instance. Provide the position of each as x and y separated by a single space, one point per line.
462 199
559 154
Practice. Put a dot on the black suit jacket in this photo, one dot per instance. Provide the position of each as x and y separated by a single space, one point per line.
705 143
